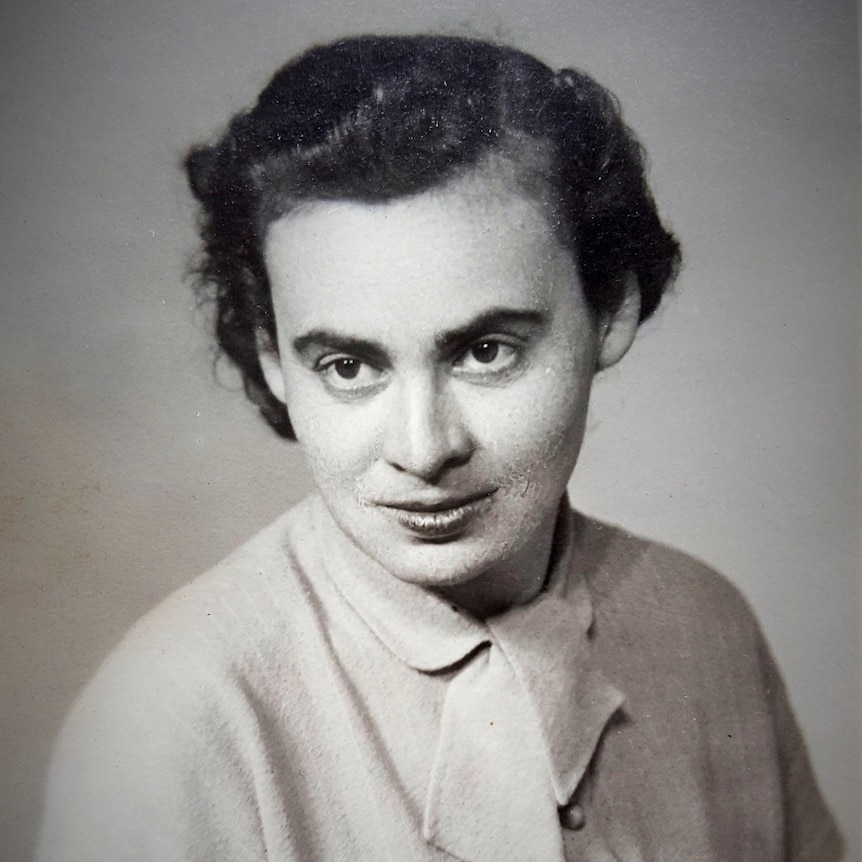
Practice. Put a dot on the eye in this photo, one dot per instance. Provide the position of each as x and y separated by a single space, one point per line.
348 375
488 358
346 369
485 352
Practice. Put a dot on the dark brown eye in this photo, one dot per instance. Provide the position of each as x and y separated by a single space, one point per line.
488 360
347 369
485 351
347 376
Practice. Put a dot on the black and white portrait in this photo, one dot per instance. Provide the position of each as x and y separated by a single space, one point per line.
430 432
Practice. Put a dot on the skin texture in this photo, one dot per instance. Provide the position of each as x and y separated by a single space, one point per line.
436 356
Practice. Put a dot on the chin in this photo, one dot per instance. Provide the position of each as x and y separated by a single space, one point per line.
439 562
435 567
426 563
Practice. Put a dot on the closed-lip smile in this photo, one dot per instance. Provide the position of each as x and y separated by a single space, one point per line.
438 518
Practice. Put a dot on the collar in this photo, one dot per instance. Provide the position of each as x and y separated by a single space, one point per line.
416 625
547 641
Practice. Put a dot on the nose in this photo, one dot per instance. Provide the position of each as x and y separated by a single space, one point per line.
427 433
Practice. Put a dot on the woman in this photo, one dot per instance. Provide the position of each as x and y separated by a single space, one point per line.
422 250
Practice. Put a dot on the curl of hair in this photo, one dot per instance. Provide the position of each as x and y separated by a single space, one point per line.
372 119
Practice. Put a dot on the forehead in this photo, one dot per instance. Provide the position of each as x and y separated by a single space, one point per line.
434 258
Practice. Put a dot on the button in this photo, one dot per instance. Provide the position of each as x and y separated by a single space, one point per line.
572 816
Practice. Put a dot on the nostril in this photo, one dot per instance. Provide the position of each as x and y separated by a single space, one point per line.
427 434
428 456
430 470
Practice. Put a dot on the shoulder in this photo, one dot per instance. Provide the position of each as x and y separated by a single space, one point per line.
171 724
662 614
234 622
254 599
687 650
204 649
643 579
229 623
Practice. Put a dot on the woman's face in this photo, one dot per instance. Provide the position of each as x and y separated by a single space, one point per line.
435 355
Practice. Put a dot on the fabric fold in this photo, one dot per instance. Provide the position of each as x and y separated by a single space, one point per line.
549 647
490 798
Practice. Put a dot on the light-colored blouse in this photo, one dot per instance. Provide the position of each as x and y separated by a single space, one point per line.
299 703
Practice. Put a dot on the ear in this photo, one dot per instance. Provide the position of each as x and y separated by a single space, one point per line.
270 365
617 330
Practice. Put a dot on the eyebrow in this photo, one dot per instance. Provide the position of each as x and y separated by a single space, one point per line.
328 339
375 352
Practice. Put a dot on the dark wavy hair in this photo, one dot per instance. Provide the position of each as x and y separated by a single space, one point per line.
376 118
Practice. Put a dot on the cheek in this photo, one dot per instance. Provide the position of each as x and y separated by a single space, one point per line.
334 455
340 444
539 435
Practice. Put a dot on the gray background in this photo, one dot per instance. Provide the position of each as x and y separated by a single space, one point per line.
731 430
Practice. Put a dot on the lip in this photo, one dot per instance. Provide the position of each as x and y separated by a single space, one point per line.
438 518
434 504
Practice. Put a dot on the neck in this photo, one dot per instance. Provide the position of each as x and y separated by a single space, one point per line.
517 581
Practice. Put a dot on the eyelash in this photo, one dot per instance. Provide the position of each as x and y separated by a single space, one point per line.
327 367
